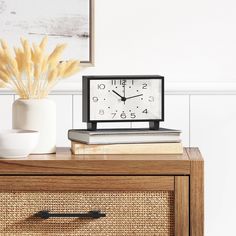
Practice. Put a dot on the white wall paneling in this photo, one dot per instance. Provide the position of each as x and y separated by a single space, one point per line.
107 125
64 117
77 112
6 102
213 129
177 115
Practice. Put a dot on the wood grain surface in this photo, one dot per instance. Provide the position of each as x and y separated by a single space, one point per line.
64 163
181 205
85 183
196 192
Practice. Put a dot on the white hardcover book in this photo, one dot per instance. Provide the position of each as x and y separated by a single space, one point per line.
125 136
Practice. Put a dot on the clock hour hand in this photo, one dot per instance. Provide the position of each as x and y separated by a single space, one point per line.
122 98
134 96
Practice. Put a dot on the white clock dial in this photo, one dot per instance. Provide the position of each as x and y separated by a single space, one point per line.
126 99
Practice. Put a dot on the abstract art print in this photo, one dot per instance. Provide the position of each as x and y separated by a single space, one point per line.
63 21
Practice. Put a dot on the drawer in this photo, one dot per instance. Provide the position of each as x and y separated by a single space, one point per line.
135 205
127 213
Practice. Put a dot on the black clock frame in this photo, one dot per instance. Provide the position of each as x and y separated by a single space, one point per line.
92 124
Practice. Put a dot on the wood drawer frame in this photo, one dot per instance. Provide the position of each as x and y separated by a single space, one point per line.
182 174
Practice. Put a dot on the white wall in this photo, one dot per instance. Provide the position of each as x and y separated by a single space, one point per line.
184 40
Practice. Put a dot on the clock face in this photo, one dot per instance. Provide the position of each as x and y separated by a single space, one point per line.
125 99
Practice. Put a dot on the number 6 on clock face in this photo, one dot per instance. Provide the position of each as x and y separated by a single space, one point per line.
123 98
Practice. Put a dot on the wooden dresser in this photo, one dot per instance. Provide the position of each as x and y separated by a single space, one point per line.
102 195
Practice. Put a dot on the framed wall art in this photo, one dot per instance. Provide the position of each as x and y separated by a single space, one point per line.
63 21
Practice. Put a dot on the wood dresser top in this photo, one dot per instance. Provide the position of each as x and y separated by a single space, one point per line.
65 163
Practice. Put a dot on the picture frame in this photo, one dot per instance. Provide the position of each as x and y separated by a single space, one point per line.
63 21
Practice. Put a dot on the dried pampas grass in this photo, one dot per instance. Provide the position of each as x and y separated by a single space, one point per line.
30 71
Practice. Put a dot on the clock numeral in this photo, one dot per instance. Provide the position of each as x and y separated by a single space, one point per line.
113 115
144 86
132 115
123 82
123 115
132 82
151 99
101 112
95 99
145 111
101 86
113 82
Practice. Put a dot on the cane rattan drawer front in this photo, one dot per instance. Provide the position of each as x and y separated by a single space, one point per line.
127 213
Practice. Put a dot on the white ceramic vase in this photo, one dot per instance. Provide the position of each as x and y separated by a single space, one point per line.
39 115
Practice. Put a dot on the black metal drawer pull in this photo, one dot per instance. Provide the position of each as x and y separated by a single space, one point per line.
90 214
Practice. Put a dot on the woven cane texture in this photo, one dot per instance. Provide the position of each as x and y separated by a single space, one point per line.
146 213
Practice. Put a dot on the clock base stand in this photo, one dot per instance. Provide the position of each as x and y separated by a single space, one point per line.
154 125
91 126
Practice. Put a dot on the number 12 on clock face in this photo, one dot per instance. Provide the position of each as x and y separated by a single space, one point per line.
125 99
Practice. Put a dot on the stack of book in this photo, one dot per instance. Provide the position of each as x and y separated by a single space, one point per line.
125 141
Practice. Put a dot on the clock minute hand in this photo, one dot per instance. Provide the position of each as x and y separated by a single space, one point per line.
134 96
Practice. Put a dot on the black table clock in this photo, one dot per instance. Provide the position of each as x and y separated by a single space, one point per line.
123 99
